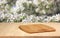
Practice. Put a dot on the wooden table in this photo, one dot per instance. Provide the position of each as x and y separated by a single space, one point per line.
11 29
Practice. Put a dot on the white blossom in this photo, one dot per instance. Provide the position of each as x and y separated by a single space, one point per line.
3 2
9 11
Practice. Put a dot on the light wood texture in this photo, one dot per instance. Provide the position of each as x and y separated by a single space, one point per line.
12 29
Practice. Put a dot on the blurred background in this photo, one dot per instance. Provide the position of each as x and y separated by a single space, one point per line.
29 11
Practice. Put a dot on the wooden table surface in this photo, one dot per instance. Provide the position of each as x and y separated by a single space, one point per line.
11 29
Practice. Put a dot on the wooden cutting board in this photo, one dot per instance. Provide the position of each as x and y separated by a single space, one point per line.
11 29
36 28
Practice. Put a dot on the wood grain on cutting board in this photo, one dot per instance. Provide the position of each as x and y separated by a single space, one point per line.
36 28
11 29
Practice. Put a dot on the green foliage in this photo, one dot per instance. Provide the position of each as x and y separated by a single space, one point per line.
50 8
29 8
